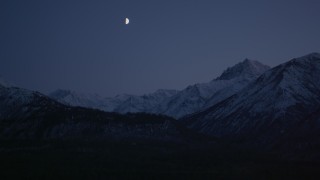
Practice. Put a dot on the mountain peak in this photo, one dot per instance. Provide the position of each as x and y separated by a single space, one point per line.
246 68
308 57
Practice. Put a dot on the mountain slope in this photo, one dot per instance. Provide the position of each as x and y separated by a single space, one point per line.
199 96
74 98
171 102
145 103
274 105
121 103
27 114
19 103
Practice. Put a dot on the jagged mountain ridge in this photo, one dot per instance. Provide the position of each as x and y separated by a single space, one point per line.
145 103
279 108
247 68
74 98
172 102
26 114
18 103
273 106
199 96
123 103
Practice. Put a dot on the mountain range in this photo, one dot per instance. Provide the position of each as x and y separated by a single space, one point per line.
172 103
281 106
249 102
30 115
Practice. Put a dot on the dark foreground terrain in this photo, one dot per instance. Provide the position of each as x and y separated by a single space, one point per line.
144 160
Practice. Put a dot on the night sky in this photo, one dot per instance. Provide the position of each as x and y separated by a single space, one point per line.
85 45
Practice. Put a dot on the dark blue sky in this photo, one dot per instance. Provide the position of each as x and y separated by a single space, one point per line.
85 45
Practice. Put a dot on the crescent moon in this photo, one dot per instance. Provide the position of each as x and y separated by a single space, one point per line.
127 21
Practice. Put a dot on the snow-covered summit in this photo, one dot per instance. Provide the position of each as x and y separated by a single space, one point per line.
202 95
310 56
171 102
298 72
18 102
280 101
246 68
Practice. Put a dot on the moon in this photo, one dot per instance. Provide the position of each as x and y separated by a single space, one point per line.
127 21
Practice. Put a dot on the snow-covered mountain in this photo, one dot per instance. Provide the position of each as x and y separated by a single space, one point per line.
110 104
171 102
245 69
199 96
279 108
18 103
74 98
26 114
121 103
145 103
276 104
